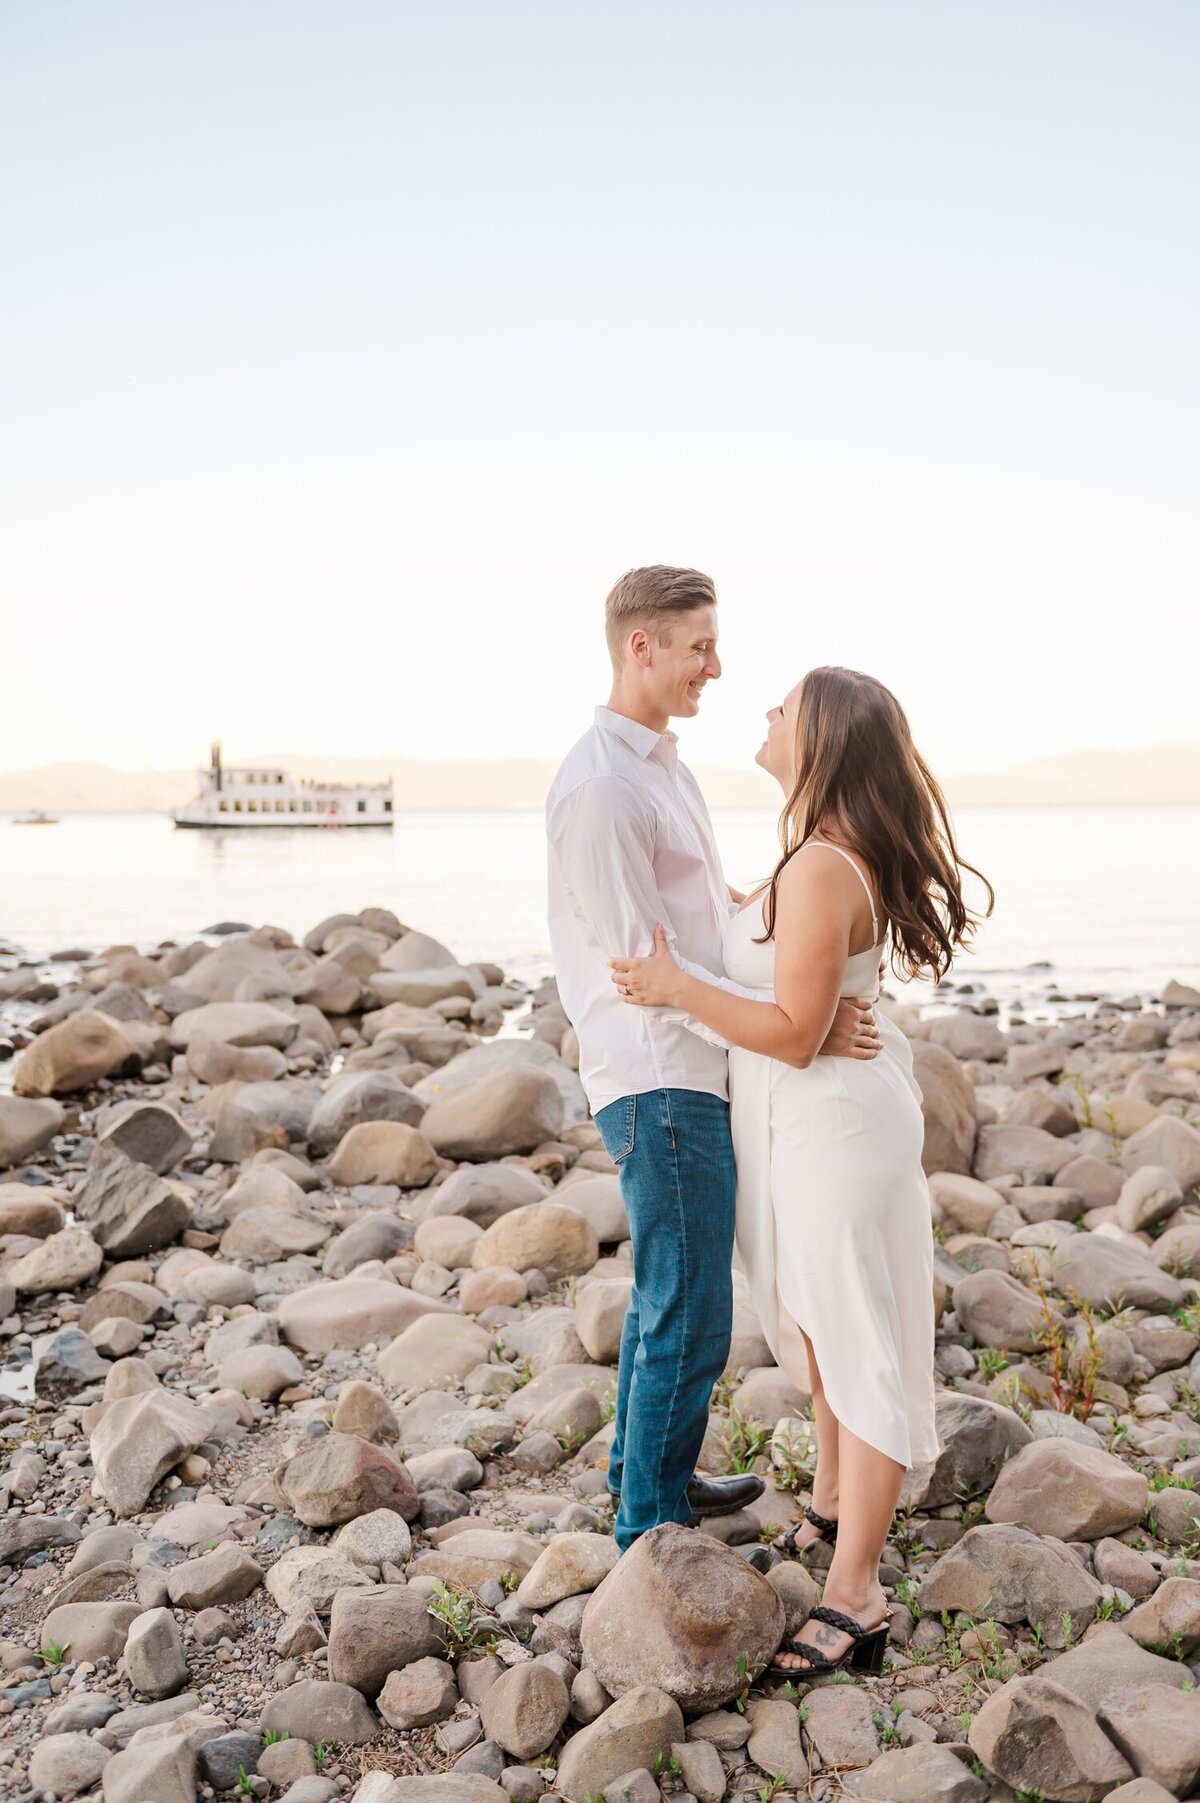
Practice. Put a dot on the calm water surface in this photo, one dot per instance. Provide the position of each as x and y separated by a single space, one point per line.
1110 897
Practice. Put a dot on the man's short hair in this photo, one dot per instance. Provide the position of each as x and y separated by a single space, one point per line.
650 597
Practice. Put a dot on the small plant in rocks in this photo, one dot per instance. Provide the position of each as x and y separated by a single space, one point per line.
272 1736
742 1442
323 1752
990 1361
53 1654
456 1610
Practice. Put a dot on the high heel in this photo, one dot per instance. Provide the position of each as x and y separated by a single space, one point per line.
864 1654
826 1531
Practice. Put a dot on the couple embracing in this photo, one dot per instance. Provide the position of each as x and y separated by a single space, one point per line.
745 1088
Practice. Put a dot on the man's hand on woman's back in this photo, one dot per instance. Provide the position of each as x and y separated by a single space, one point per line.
854 1033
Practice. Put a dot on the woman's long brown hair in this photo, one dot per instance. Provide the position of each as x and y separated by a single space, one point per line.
858 770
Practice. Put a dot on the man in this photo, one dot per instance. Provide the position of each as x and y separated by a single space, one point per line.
631 844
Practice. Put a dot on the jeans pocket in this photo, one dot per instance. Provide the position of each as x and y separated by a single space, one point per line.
617 1126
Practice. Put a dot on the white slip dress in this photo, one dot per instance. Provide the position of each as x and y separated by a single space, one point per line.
833 1215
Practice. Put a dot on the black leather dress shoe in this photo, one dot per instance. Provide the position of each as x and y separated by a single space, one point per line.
716 1495
760 1557
723 1495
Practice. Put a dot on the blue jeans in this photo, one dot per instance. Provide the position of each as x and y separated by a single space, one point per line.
675 1155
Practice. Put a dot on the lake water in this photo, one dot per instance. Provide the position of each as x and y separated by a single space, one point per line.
1109 897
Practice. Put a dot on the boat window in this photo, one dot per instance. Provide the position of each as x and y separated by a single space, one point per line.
252 807
308 807
223 806
237 807
362 807
387 807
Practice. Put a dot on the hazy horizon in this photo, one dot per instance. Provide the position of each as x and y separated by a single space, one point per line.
1163 775
361 351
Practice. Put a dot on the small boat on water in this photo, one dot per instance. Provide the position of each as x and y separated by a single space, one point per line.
263 797
34 817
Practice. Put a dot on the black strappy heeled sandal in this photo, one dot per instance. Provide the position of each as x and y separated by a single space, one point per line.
826 1531
865 1652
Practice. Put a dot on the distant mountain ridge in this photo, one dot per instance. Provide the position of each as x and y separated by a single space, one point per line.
1152 775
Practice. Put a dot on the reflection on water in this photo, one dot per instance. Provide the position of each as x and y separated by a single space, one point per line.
1107 895
16 1376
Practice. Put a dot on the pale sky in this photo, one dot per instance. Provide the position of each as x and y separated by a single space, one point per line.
350 352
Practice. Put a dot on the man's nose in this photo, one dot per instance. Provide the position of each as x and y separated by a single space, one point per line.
712 666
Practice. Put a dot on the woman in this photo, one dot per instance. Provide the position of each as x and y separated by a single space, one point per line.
833 1224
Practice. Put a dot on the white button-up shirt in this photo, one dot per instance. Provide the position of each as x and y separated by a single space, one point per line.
631 843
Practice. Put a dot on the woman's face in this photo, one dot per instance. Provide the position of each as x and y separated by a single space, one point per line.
777 753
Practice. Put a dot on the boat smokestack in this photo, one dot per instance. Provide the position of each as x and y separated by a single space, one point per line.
215 754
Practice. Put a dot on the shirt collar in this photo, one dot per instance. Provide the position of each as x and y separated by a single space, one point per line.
642 739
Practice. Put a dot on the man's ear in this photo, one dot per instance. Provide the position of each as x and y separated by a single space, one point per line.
639 647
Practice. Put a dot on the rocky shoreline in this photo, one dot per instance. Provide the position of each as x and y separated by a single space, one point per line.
312 1275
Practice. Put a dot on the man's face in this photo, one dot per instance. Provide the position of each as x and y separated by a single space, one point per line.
680 668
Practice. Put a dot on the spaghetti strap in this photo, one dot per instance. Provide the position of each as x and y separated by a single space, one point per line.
830 846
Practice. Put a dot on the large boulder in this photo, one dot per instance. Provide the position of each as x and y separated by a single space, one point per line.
598 1198
1042 1740
1169 1618
65 1363
685 1615
95 1630
379 1630
1056 1486
483 1192
571 1565
270 1233
316 1710
546 1235
77 1052
963 1202
925 1773
383 1152
130 1209
62 1262
1005 1573
514 1108
331 986
968 1036
1029 1153
997 1310
138 1439
525 1708
376 1235
433 1351
1108 1273
600 1317
340 1476
160 1760
1158 1731
634 1734
948 1105
977 1437
32 1212
26 1125
1169 1143
353 1312
484 1060
148 1132
235 1024
261 1115
477 1555
360 1096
